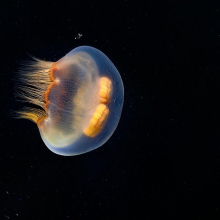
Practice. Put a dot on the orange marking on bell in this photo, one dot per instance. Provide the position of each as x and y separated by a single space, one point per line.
53 83
97 121
105 90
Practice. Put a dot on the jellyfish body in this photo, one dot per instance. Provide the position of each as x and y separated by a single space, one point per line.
80 98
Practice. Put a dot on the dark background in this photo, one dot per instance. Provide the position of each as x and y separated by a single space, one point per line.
163 161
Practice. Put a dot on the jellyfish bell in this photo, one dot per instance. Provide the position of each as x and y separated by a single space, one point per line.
79 98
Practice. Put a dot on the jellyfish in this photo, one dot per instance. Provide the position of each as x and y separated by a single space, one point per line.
76 102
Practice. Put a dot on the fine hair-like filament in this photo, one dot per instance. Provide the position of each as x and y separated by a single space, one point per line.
32 82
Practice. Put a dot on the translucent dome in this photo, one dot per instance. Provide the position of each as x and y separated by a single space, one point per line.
81 98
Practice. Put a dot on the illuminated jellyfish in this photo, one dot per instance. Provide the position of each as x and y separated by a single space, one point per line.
78 100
